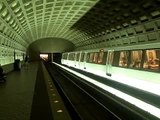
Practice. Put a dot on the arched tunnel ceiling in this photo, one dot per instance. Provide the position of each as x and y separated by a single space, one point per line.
50 45
24 21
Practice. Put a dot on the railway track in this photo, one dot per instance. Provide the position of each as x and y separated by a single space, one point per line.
86 101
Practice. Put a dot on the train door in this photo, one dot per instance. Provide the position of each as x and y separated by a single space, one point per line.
109 62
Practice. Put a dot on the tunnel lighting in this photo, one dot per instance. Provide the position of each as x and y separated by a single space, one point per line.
44 56
8 18
26 4
56 101
59 111
4 13
17 9
14 4
134 101
1 6
19 14
11 22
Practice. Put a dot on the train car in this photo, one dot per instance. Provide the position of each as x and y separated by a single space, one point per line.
137 66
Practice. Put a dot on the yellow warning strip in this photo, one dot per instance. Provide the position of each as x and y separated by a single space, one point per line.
59 110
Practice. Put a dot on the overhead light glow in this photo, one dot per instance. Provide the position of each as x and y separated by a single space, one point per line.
44 56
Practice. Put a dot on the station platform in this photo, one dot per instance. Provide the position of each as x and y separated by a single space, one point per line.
16 94
29 94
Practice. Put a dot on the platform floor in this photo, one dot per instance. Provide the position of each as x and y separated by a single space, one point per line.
16 94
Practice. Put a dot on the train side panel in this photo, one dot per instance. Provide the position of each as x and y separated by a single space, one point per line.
135 66
96 69
130 75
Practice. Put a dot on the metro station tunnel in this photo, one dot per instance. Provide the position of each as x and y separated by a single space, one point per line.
79 59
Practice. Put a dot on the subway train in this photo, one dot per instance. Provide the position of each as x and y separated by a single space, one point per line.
137 65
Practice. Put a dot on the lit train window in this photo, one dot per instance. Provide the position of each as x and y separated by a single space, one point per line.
116 58
136 58
104 58
91 56
77 56
123 60
65 56
151 60
87 58
100 56
71 56
95 58
82 57
110 58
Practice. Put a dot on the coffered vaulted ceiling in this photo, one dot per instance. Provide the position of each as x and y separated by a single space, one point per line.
24 21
